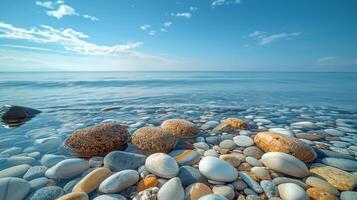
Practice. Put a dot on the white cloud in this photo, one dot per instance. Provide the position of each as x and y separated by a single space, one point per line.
264 39
185 14
168 24
152 32
145 27
70 39
162 30
45 4
62 11
336 61
224 2
90 17
60 2
193 9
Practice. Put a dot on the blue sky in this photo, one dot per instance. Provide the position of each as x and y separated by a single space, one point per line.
246 35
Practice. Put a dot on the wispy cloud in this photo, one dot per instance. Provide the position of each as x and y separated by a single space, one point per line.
336 61
45 4
91 17
264 39
193 9
224 2
152 32
69 39
63 10
168 24
145 27
30 48
184 14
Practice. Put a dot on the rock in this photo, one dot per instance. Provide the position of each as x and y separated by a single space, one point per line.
11 151
91 181
49 160
211 152
47 193
14 116
98 140
172 189
231 125
303 124
185 157
201 145
16 171
337 178
334 132
217 170
162 165
231 159
40 183
196 190
282 131
261 173
96 161
276 142
213 140
68 187
146 183
153 140
322 153
18 160
321 184
243 141
307 136
119 181
348 195
239 185
269 188
317 193
189 175
281 180
180 128
253 151
251 182
224 190
112 197
74 196
148 194
253 197
67 168
13 188
291 191
213 197
254 162
344 164
227 144
120 160
35 172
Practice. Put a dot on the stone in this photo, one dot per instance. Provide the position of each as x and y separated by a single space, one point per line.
40 183
18 160
172 189
231 125
317 193
14 116
68 168
49 160
233 160
291 191
338 178
261 173
253 197
47 193
201 145
321 184
96 161
120 160
148 194
98 140
13 188
224 190
276 142
16 171
322 153
146 183
334 132
305 124
217 170
348 195
285 163
35 172
254 162
68 187
211 152
344 164
213 140
227 144
113 197
189 175
185 157
74 196
243 141
91 181
251 182
162 165
282 131
180 128
213 197
11 151
239 185
197 190
269 188
253 151
119 181
281 180
153 140
307 136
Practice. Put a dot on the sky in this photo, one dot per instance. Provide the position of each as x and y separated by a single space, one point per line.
174 35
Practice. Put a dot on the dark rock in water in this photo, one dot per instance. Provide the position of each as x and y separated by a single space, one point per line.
322 153
120 160
111 108
14 116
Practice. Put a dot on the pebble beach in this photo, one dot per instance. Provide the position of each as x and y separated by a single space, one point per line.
188 152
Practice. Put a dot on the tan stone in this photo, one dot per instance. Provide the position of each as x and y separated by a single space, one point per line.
234 161
91 181
276 142
146 183
231 125
318 194
153 140
244 167
338 178
308 136
180 128
74 196
98 140
197 190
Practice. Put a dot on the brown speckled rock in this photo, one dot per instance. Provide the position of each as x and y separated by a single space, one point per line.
98 140
153 140
276 142
319 194
180 128
231 125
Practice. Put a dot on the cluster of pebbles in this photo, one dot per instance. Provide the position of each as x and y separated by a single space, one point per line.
295 154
